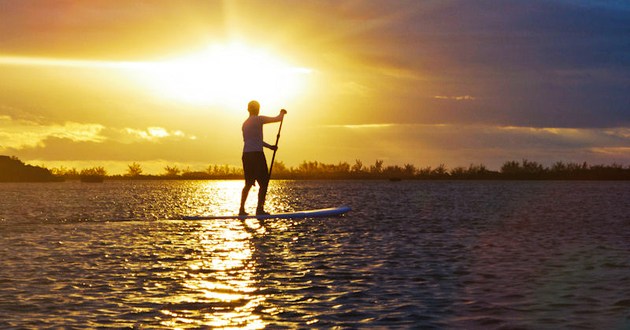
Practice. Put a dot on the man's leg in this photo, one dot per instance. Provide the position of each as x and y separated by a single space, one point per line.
244 194
262 177
249 171
262 194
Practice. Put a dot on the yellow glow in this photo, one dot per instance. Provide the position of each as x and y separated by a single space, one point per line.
69 63
218 75
224 272
225 75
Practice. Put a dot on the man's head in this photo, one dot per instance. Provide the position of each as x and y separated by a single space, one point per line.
253 107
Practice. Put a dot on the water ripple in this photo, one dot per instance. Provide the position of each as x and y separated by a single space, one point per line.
428 255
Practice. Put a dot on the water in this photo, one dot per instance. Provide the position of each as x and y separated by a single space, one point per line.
487 255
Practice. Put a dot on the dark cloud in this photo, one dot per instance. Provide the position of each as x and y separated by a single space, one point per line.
530 63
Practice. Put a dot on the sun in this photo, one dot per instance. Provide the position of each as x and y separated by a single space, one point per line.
225 75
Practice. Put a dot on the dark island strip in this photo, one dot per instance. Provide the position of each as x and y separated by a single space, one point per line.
14 170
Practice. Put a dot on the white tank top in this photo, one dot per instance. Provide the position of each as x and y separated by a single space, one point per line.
253 132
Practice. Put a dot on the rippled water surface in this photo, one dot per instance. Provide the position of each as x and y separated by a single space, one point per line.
411 254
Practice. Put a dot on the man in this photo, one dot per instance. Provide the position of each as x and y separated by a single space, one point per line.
254 161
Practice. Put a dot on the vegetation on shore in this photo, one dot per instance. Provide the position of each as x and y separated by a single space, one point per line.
308 170
13 170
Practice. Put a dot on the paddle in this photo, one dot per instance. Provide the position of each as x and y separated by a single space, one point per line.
273 158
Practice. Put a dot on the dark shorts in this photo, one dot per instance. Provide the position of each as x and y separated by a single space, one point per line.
255 167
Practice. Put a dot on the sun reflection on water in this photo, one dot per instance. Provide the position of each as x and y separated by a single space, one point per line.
221 282
223 198
221 286
215 197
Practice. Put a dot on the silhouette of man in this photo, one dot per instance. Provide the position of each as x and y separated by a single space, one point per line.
254 161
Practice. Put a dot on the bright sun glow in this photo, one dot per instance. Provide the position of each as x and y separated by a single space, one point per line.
219 75
225 75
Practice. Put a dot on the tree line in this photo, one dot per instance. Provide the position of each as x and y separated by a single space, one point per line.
307 170
14 170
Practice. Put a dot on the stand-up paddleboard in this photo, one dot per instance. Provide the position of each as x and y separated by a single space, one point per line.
320 213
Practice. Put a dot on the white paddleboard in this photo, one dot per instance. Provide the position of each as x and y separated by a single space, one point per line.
319 213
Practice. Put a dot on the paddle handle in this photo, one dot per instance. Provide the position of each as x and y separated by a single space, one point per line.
273 158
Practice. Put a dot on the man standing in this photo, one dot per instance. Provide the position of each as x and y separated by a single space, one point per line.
254 161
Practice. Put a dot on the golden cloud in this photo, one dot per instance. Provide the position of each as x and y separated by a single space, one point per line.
20 134
151 134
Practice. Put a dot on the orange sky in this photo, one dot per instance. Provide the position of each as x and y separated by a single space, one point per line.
456 82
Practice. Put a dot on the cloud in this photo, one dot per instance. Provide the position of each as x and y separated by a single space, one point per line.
613 151
524 63
361 126
455 98
621 132
20 134
455 144
151 134
353 88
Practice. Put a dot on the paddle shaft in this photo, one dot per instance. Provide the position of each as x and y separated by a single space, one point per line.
273 158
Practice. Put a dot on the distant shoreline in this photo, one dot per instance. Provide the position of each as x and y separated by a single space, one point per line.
274 178
14 170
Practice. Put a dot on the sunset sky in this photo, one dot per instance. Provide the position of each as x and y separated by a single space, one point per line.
108 83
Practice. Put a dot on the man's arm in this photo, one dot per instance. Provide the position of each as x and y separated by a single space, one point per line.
267 145
275 119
